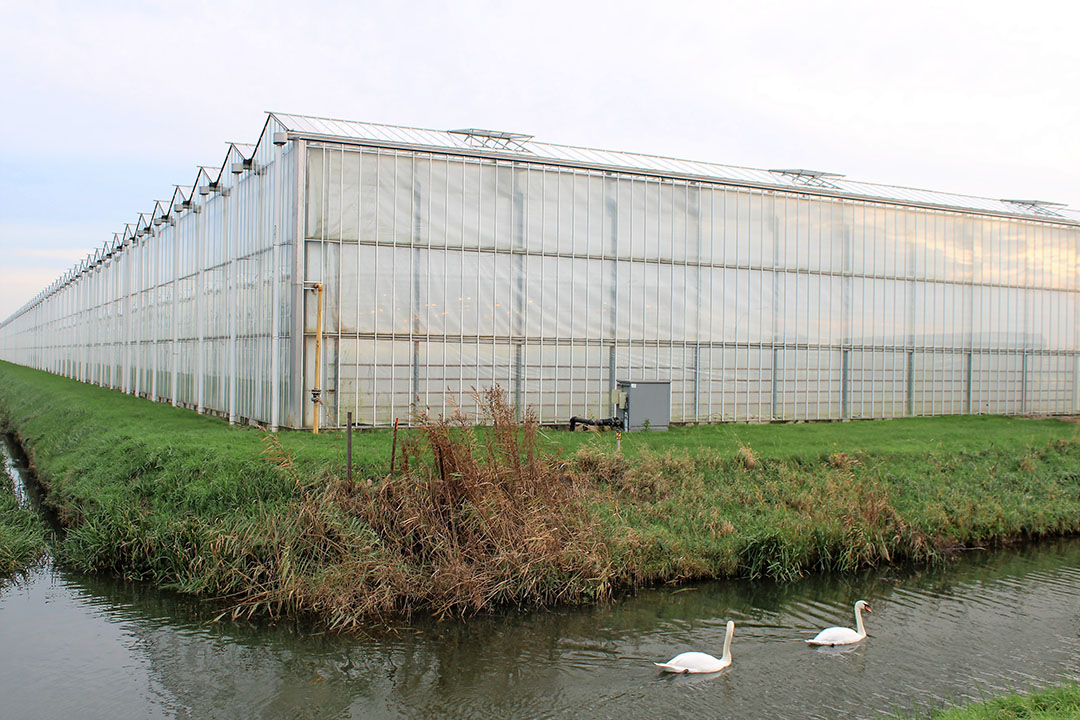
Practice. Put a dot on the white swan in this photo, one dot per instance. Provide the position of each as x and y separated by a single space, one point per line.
843 635
697 662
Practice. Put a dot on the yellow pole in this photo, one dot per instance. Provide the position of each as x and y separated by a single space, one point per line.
316 392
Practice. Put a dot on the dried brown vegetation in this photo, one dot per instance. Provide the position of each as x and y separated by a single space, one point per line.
471 520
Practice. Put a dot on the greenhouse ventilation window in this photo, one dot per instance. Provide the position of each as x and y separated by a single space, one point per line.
1038 207
811 178
493 139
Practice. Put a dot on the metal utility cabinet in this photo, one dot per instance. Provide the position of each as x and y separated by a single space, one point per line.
644 404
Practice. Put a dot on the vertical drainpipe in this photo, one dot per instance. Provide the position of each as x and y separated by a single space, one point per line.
297 339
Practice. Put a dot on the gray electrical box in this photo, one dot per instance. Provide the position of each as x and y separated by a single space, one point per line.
644 404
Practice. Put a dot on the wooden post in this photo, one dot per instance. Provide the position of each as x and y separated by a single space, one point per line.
348 448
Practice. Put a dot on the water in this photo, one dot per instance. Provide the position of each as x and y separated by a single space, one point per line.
94 647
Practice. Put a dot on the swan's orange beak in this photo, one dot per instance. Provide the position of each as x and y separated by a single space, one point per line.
867 608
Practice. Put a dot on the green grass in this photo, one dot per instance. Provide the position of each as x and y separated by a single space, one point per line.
1056 703
480 517
22 537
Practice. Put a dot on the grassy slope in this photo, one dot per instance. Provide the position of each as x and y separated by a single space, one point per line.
1057 703
22 538
187 501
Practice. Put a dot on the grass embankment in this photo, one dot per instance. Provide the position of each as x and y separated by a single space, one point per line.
518 514
22 537
1056 703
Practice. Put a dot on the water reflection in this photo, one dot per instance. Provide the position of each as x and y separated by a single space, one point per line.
90 646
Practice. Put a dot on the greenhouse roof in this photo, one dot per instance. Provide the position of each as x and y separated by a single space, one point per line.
518 146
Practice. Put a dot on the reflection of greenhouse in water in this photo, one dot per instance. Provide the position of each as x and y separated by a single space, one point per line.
452 260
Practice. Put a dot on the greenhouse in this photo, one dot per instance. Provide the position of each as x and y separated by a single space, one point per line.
341 267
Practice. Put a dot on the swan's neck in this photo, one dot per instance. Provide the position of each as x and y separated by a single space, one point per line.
727 644
859 628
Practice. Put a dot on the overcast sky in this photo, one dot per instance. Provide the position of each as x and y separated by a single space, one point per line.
108 104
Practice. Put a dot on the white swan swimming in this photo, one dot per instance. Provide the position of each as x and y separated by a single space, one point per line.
697 662
843 635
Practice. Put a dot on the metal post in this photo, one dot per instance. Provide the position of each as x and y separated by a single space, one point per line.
967 383
910 383
845 384
316 392
1024 383
393 449
348 447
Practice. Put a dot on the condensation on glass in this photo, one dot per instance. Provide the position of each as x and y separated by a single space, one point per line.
448 269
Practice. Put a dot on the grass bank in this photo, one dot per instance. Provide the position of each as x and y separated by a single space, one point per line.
515 513
1056 703
22 536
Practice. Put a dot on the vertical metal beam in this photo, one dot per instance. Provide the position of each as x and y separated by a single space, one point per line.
200 322
275 312
416 328
909 392
845 383
1024 382
299 246
967 382
611 207
775 412
175 369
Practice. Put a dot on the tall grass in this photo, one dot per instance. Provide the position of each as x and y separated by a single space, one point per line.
470 521
1055 703
22 536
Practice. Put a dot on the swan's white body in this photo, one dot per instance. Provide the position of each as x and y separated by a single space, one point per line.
843 635
698 662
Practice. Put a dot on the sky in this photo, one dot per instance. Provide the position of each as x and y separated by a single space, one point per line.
107 105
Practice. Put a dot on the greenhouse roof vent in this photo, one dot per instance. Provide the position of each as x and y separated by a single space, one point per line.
813 178
493 139
1038 207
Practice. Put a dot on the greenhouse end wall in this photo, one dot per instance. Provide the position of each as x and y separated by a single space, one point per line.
445 273
192 305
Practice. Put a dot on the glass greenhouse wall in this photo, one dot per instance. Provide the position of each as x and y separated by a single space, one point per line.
452 261
190 305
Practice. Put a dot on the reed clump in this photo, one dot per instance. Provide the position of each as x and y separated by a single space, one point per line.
471 520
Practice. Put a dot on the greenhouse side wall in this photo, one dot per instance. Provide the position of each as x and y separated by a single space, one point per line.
446 273
194 309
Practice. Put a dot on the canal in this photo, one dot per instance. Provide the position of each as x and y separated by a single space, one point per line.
73 645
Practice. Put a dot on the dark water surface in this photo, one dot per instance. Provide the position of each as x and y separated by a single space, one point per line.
93 647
